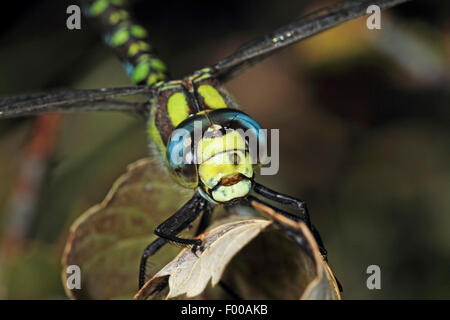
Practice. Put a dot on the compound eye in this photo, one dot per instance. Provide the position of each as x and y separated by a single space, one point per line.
180 159
255 137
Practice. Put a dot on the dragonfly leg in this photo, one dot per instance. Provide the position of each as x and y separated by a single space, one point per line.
289 201
168 229
150 250
205 220
178 240
293 217
296 218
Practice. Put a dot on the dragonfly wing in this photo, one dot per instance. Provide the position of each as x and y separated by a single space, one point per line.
309 25
73 100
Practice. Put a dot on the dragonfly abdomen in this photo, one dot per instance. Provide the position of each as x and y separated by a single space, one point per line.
129 40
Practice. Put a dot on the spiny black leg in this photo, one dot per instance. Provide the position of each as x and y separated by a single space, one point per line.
289 201
180 220
175 224
204 223
205 220
313 229
150 250
293 217
278 210
178 240
296 204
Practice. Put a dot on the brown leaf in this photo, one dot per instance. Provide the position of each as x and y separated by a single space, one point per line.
268 266
189 273
321 283
107 241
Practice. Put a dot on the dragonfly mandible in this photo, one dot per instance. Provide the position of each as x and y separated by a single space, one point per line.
222 173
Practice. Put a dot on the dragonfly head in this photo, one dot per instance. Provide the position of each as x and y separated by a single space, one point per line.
226 169
216 151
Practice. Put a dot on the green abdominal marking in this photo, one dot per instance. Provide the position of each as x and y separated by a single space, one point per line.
129 40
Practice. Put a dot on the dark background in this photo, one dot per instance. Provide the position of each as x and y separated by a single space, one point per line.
363 118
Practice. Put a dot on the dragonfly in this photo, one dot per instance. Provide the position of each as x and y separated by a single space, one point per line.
222 173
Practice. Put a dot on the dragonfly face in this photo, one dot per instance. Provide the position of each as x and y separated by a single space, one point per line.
207 143
226 168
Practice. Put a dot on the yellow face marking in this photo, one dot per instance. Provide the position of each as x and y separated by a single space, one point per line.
177 108
227 193
209 147
212 97
224 165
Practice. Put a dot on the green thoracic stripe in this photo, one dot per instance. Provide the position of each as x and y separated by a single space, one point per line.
211 97
154 133
129 40
177 108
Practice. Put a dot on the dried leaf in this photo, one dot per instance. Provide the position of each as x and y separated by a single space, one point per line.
107 241
189 274
322 284
259 265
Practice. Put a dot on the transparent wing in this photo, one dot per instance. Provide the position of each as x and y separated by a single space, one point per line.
73 100
311 24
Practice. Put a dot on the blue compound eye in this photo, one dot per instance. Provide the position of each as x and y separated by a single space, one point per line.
180 153
233 119
180 158
251 130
